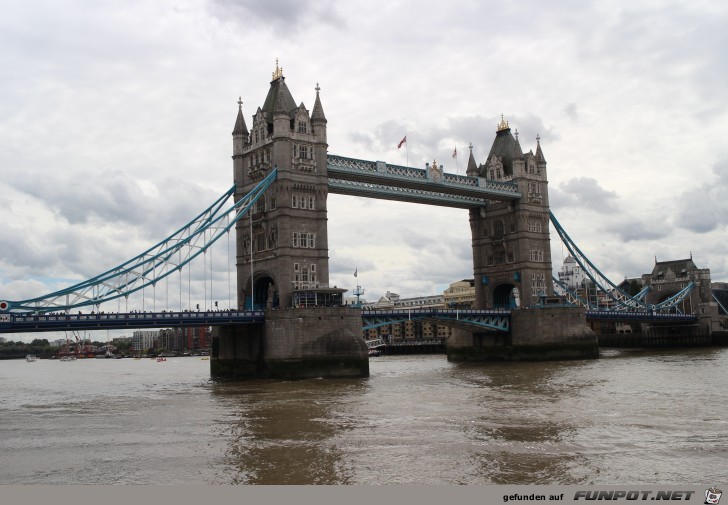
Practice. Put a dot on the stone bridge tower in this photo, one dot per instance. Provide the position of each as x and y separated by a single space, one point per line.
283 245
511 244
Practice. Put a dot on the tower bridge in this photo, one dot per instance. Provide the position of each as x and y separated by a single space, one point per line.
283 174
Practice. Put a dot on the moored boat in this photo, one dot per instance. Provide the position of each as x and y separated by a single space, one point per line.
30 358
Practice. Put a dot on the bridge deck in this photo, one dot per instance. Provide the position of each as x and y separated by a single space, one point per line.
377 179
17 323
24 322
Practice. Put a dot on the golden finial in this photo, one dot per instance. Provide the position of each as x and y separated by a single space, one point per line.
278 72
503 125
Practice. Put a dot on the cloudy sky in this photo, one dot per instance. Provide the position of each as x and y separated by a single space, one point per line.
116 120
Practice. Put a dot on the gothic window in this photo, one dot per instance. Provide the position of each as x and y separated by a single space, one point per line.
302 127
260 204
303 201
500 256
498 229
492 174
538 283
303 152
295 150
273 203
305 240
260 242
535 226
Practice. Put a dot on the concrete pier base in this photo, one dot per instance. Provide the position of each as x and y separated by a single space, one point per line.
540 334
293 344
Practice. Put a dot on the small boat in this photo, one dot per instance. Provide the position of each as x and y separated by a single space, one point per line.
161 359
68 357
374 352
30 358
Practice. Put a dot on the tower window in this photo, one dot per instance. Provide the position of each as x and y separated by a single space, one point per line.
302 127
305 240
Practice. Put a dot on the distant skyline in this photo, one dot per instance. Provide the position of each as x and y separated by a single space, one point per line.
116 121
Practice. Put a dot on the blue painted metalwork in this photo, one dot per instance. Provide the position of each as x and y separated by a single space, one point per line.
497 320
377 179
26 322
641 315
154 264
622 300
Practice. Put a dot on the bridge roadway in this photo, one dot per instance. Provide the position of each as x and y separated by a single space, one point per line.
19 323
494 320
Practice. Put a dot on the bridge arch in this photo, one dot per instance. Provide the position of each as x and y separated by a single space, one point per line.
265 292
506 296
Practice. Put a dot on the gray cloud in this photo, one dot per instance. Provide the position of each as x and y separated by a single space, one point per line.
629 229
586 193
284 17
704 208
571 111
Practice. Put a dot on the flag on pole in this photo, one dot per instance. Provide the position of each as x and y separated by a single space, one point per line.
355 271
404 140
455 153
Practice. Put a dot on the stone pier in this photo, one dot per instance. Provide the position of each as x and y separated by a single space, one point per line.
295 343
537 334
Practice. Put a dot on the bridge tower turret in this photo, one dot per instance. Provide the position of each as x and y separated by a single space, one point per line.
511 243
282 246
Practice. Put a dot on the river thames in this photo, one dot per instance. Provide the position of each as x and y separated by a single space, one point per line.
638 417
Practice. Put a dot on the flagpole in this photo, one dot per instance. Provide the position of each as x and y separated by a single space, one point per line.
406 150
455 155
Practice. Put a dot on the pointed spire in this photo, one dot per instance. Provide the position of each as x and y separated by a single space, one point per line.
240 127
517 151
280 106
472 170
318 110
278 72
539 152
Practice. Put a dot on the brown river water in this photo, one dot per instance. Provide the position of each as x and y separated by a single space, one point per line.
650 417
